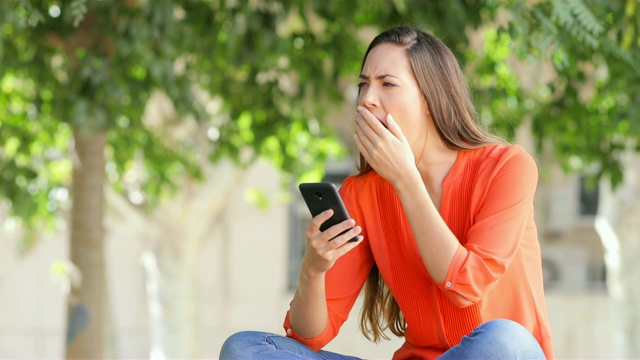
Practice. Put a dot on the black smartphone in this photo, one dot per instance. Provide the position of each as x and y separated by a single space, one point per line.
324 196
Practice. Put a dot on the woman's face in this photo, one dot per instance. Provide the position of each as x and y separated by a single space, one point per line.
388 86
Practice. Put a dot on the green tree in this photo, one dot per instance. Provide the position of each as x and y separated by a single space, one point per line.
589 112
84 70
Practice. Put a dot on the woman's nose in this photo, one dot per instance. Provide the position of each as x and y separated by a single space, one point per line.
369 98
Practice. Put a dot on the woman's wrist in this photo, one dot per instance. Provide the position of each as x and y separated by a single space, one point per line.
409 183
309 274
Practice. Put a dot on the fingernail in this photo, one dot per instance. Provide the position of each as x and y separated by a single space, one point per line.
389 117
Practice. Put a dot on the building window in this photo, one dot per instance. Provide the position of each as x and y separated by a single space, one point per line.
588 197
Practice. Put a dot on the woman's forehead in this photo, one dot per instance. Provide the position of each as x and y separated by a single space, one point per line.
386 59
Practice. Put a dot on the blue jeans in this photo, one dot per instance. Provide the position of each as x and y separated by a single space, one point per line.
496 339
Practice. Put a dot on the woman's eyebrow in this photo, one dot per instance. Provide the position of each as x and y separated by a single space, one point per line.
379 77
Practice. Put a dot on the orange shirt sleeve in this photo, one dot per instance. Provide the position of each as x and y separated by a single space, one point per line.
344 280
506 186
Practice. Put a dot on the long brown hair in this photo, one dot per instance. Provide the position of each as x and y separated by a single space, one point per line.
447 95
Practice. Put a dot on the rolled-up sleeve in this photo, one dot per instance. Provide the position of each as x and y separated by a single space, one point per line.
344 280
498 228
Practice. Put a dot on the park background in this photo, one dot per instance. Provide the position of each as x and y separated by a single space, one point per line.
150 152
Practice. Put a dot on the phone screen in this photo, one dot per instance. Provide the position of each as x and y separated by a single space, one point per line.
323 196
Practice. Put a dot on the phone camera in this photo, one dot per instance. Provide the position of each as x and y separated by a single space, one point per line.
319 195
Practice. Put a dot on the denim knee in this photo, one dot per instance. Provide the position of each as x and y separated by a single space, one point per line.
237 344
247 345
510 339
496 339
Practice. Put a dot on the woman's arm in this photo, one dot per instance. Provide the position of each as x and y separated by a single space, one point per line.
388 152
308 313
436 243
324 298
466 272
502 204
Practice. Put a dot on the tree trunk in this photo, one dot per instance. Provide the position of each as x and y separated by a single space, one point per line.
172 298
181 227
88 334
174 237
618 224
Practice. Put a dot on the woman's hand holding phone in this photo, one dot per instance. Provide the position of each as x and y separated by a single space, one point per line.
325 247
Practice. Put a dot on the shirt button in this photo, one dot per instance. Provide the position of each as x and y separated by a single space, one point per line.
448 284
289 332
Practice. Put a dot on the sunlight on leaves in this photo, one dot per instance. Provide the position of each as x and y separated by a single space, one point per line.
257 197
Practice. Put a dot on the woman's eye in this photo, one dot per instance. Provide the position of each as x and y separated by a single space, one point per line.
362 84
388 84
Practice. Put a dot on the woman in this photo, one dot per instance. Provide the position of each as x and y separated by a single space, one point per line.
444 215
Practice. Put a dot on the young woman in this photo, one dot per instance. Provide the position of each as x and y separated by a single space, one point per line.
443 211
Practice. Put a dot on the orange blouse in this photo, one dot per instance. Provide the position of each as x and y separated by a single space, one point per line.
487 202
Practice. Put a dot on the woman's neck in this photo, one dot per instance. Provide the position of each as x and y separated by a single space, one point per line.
435 163
434 167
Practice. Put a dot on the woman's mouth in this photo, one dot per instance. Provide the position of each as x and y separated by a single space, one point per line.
384 123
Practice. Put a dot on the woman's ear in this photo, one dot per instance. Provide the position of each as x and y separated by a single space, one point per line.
425 106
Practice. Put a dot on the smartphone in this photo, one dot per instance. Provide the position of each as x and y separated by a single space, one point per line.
324 196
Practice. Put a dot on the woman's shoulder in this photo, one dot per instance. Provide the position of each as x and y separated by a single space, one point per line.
362 185
498 154
497 151
513 156
510 150
492 160
513 161
368 178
